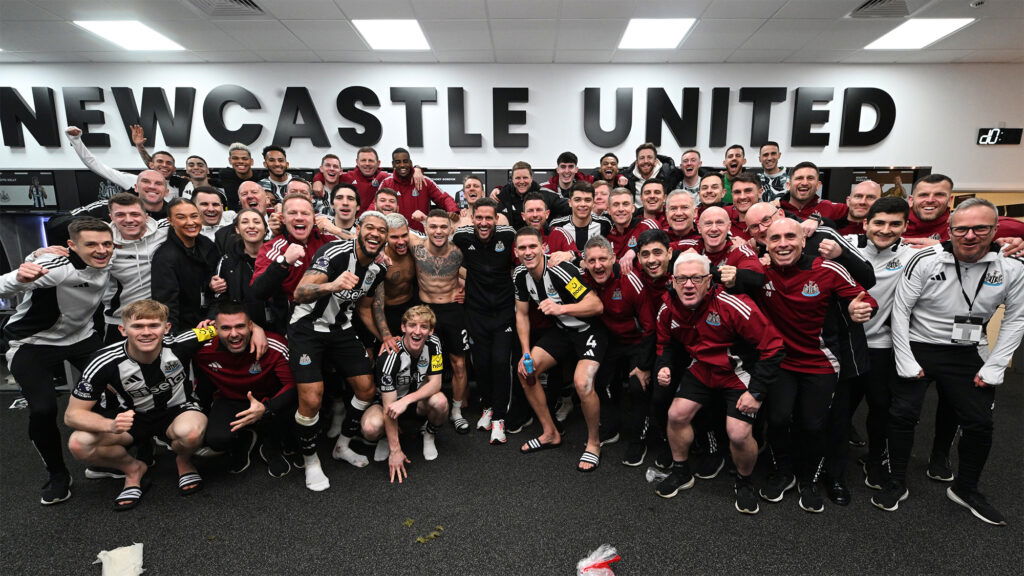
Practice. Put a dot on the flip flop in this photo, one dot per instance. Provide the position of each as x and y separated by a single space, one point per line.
189 483
129 497
461 425
536 445
588 458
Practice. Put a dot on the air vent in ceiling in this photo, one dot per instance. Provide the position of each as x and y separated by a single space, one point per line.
880 9
227 8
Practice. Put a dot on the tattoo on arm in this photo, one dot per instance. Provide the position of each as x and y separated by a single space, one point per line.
311 287
144 154
379 318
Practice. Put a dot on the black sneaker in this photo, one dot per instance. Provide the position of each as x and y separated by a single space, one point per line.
608 436
57 489
855 439
890 497
239 455
977 504
98 472
295 458
664 458
518 427
810 498
709 465
777 486
746 498
939 469
838 493
635 453
875 475
277 464
679 479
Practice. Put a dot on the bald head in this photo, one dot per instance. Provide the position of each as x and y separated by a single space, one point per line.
785 241
862 198
249 186
759 216
714 225
713 213
151 186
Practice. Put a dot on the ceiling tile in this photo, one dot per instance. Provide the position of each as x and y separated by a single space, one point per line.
136 56
589 34
584 56
873 57
464 55
197 35
304 10
229 56
520 8
962 9
450 10
48 36
784 34
598 8
348 56
54 56
406 56
994 56
288 55
525 56
327 34
743 8
457 34
996 34
850 34
716 34
817 9
143 10
762 55
261 34
933 56
10 10
700 55
818 56
642 56
366 9
513 34
670 8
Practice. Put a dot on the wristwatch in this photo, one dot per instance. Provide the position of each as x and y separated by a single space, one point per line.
281 260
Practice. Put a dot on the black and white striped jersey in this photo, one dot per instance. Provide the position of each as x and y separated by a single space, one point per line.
144 387
334 311
562 284
402 373
580 234
58 307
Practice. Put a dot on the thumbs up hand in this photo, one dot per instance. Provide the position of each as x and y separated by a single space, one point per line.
860 308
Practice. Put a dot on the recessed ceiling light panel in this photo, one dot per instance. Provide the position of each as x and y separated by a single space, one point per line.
917 33
392 34
655 33
129 34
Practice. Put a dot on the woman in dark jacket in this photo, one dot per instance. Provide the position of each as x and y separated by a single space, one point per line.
183 266
237 266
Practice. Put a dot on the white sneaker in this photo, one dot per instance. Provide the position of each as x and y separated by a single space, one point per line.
498 432
343 452
339 416
316 480
564 409
429 447
381 453
484 423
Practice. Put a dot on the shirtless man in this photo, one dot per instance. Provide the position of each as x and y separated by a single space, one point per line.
398 293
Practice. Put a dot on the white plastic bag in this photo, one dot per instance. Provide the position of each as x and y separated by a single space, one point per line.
123 561
598 562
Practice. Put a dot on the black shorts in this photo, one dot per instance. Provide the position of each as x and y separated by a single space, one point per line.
310 352
692 389
155 423
393 315
571 346
451 328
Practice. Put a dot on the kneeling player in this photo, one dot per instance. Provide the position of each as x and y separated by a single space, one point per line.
408 375
724 334
149 374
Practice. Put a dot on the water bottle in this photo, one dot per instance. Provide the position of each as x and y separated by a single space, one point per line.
528 363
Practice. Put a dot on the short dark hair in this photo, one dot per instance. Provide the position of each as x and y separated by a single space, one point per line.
528 231
522 165
889 205
368 150
712 175
178 202
87 224
742 150
769 143
746 177
652 237
934 179
647 146
210 190
163 153
196 156
691 151
583 186
609 154
657 181
806 164
400 151
567 158
386 192
228 307
486 202
326 156
124 199
272 148
348 185
437 213
536 196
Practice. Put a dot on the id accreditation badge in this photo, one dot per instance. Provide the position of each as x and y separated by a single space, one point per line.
967 330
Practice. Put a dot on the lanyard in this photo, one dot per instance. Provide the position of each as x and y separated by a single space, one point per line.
970 303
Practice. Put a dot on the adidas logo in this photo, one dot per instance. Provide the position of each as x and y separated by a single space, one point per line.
589 353
82 285
133 380
215 366
940 277
472 247
509 329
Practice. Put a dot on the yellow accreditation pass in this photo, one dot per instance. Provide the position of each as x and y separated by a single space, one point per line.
575 287
206 333
436 363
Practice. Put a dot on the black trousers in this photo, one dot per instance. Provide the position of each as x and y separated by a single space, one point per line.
491 351
798 415
34 368
624 403
275 427
952 368
874 386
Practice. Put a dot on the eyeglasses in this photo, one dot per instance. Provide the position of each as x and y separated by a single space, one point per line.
961 231
695 280
764 223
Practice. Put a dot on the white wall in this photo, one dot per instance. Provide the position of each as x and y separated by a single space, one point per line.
939 109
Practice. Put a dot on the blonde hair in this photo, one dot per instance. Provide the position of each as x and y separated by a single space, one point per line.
148 309
420 311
